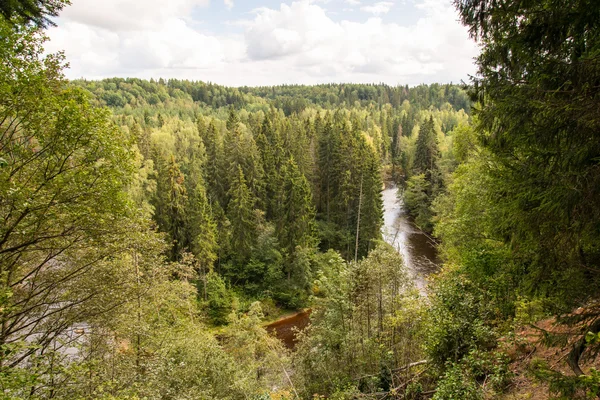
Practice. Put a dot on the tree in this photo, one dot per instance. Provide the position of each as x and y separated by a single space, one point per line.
233 120
297 227
427 151
202 231
538 86
36 11
269 145
241 151
371 206
365 319
214 166
242 217
328 149
170 204
68 223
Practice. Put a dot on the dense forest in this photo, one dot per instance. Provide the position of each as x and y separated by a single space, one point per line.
151 229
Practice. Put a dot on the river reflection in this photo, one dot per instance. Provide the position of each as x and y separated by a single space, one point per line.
417 249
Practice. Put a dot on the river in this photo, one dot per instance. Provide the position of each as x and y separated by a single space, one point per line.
417 249
286 328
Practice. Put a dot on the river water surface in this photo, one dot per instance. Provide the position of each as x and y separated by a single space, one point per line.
418 249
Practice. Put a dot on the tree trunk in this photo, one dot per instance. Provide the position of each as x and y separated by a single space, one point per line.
358 220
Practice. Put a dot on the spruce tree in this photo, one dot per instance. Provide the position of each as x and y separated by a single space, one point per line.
203 232
170 202
298 227
213 174
240 213
427 150
271 151
371 210
175 209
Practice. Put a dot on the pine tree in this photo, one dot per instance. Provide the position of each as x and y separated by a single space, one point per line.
328 156
39 12
241 150
202 128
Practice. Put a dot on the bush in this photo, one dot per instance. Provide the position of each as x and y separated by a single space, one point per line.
220 299
458 319
457 384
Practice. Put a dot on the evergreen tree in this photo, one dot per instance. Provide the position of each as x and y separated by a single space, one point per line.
325 161
371 210
241 151
202 229
270 148
426 152
201 127
298 227
232 120
214 166
539 85
37 11
176 209
240 213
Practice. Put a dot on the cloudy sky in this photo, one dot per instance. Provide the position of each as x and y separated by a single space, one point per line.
266 42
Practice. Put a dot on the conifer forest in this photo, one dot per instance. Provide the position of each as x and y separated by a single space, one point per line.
181 239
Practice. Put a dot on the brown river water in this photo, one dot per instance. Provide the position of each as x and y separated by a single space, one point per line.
418 251
285 329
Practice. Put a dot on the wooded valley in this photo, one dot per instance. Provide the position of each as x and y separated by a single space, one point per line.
152 229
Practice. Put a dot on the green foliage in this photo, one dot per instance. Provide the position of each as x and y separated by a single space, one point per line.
68 223
426 152
366 319
297 222
240 213
38 12
236 182
417 201
565 387
219 299
539 73
458 319
457 384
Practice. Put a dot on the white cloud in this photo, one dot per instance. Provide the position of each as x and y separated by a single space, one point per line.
304 37
352 2
228 4
126 15
291 30
296 43
382 7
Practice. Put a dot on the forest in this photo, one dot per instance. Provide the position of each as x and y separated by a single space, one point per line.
152 229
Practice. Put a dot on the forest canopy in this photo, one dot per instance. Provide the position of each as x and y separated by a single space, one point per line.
152 229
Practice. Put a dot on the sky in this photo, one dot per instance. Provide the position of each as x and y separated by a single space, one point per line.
266 42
